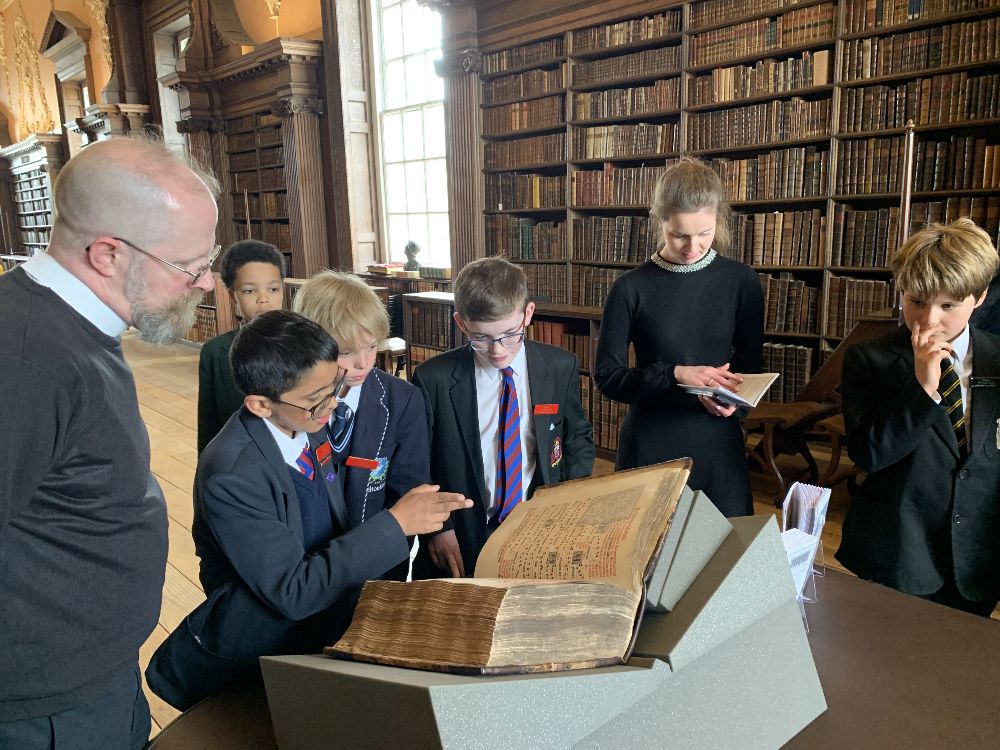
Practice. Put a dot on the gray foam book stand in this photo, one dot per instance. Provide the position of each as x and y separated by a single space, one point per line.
728 666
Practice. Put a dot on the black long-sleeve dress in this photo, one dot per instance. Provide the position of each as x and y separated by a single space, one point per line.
708 313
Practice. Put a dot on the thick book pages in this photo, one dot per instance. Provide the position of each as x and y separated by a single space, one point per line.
558 586
752 390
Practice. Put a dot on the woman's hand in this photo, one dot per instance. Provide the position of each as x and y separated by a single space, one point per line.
708 376
714 407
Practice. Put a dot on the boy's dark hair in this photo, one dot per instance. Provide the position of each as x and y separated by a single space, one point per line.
272 352
490 289
240 253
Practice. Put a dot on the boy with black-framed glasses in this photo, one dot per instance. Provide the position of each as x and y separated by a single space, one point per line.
281 564
505 414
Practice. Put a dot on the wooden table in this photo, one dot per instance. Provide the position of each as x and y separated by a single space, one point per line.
898 672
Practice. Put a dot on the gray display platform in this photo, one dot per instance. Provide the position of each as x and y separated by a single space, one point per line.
728 666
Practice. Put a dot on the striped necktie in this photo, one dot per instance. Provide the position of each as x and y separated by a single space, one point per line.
508 491
341 427
305 463
951 400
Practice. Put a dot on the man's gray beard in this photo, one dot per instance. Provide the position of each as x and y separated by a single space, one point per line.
166 324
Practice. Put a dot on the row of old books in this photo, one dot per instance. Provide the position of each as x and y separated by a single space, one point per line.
274 204
870 165
419 354
547 282
616 141
780 238
849 300
768 76
662 96
431 324
278 234
790 305
616 186
615 239
526 54
960 163
861 15
506 191
591 285
606 415
938 100
863 238
626 32
536 113
272 179
554 332
528 83
520 238
762 35
794 364
767 122
782 173
539 149
659 61
985 211
957 43
712 12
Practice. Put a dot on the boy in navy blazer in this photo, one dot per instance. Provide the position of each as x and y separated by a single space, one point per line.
379 428
922 410
281 564
505 414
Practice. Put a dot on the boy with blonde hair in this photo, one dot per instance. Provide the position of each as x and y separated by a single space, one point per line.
379 429
505 414
922 408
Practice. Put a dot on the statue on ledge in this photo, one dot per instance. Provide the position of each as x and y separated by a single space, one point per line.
411 250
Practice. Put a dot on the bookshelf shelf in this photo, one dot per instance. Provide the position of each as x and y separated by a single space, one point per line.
554 128
921 73
642 208
526 167
764 54
618 82
550 63
944 128
603 263
618 49
764 203
811 91
525 98
769 146
921 23
500 212
662 115
778 10
616 159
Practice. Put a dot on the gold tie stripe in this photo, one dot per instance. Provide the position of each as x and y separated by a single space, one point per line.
951 400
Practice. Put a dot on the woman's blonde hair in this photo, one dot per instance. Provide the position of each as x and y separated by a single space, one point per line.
689 186
956 259
344 305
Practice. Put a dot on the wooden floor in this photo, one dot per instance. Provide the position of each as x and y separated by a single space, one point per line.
167 382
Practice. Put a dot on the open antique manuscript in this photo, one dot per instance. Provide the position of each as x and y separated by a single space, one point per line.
558 586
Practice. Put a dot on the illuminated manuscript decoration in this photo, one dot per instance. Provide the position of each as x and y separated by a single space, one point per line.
30 76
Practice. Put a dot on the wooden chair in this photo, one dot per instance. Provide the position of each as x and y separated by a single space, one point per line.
391 352
833 428
784 426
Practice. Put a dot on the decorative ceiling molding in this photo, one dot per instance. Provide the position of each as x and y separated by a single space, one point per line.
99 10
29 76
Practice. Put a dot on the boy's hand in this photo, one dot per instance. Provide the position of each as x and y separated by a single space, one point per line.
446 554
712 377
928 354
423 509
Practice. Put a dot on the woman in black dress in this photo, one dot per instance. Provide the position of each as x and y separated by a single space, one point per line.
694 317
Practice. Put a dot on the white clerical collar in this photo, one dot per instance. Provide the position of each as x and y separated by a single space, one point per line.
290 447
48 272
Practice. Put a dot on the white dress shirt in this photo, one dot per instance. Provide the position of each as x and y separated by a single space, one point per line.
290 447
489 387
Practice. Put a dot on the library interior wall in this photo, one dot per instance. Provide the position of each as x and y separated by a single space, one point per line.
298 18
36 12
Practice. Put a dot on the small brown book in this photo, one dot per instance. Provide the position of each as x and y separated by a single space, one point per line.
560 585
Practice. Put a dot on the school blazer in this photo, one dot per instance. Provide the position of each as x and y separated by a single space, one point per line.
448 382
265 595
922 513
390 427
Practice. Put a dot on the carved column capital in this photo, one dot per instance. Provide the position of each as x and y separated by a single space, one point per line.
297 105
464 62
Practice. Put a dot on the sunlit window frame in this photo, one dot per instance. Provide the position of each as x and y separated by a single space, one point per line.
432 253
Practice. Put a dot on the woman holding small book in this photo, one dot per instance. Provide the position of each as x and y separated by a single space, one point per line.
694 318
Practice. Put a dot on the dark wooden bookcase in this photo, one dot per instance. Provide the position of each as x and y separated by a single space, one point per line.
33 165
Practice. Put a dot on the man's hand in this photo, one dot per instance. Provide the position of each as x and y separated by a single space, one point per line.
928 354
423 509
446 554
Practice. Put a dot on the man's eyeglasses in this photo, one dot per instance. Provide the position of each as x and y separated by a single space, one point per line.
195 275
507 341
325 401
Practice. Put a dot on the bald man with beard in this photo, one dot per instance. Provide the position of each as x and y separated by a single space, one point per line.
83 525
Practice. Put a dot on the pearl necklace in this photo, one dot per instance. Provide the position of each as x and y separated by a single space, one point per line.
666 265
